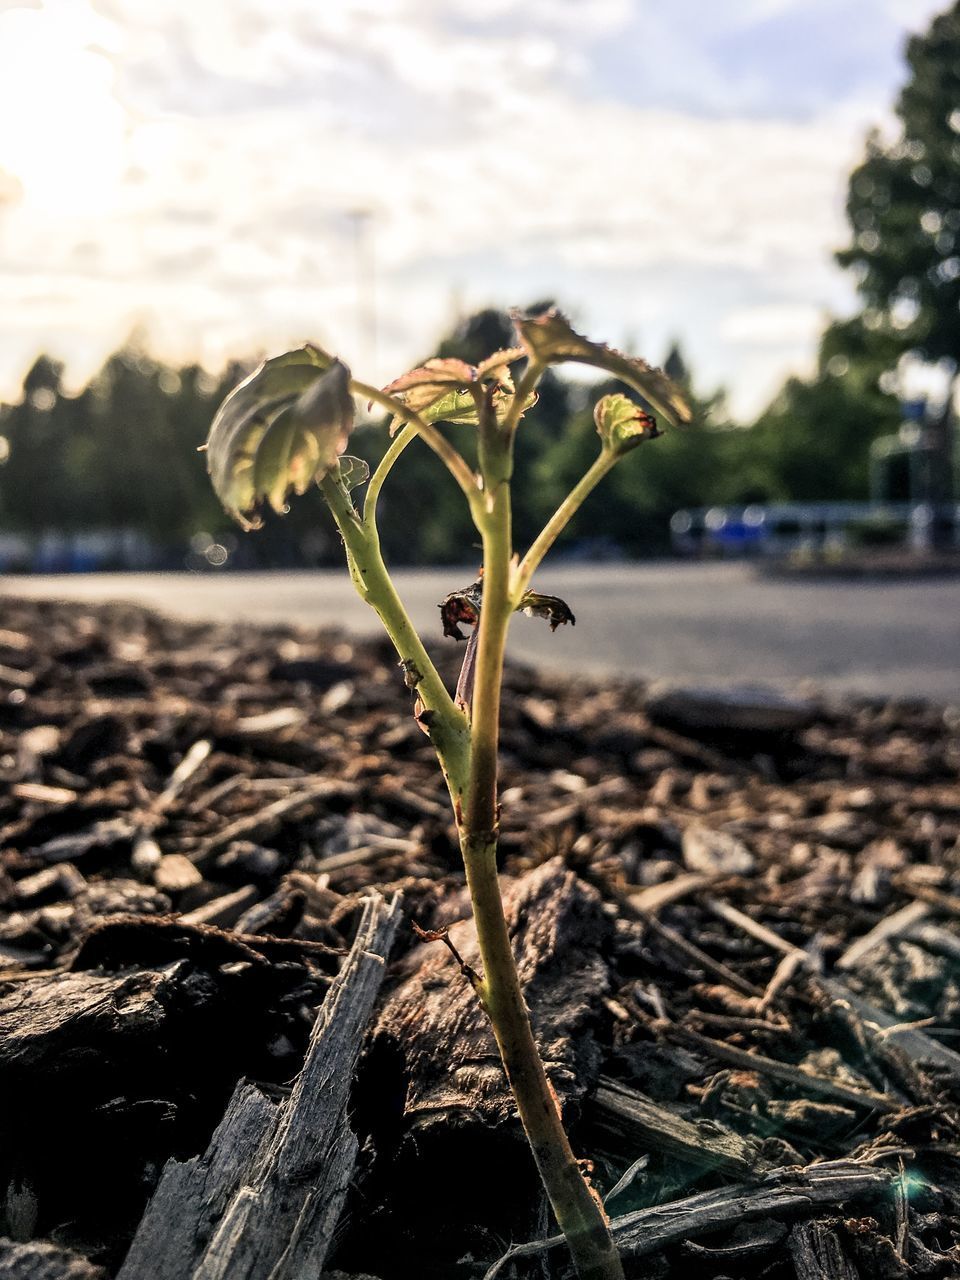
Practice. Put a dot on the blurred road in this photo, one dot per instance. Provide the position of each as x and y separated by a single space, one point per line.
711 622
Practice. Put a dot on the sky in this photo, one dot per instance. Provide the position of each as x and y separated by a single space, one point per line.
221 177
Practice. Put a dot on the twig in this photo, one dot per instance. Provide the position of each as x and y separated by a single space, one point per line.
652 900
753 928
468 971
892 926
694 953
797 1076
266 819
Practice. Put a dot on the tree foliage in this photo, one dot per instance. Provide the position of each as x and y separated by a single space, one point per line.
904 206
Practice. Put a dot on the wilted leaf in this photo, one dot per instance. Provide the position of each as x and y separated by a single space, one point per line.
464 606
461 606
549 339
556 611
281 428
353 471
622 424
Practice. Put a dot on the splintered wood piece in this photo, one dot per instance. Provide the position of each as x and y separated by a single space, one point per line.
435 1024
818 1254
785 1193
642 1123
266 1196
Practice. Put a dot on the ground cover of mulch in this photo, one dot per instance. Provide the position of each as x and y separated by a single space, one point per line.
736 920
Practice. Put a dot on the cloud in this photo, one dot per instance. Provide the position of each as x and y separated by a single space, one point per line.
773 324
499 151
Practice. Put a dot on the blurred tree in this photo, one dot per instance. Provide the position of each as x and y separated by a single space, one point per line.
38 489
813 442
904 209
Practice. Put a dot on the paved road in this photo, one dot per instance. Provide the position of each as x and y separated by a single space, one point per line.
688 621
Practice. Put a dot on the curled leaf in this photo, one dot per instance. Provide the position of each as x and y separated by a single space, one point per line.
556 611
281 428
450 390
623 425
461 606
421 387
550 339
464 607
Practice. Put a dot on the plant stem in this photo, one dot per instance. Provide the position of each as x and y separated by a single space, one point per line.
559 521
437 441
579 1214
446 724
372 495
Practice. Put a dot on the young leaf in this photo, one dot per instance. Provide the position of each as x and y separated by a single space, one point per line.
353 471
622 424
550 339
447 390
498 366
281 428
421 387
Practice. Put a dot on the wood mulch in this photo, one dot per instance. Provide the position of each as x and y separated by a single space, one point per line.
225 1052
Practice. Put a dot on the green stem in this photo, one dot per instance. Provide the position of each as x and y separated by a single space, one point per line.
525 389
437 441
578 1213
446 724
559 521
372 495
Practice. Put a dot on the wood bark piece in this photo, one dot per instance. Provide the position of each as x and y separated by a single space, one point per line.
786 1193
642 1124
818 1255
37 1260
436 1027
51 1021
265 1198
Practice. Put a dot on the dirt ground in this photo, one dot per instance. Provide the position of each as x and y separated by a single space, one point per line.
736 923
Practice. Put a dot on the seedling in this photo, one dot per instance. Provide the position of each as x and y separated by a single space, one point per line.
286 427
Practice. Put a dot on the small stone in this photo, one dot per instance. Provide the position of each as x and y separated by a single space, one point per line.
249 859
145 857
716 853
741 708
175 874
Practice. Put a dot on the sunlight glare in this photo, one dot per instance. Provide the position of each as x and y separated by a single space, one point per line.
61 127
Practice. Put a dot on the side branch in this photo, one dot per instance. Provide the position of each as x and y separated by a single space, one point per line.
385 466
559 521
454 460
446 724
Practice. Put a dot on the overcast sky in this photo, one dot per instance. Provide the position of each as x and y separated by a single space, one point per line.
192 169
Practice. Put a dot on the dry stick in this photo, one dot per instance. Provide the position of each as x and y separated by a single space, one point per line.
690 949
750 926
892 926
265 819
